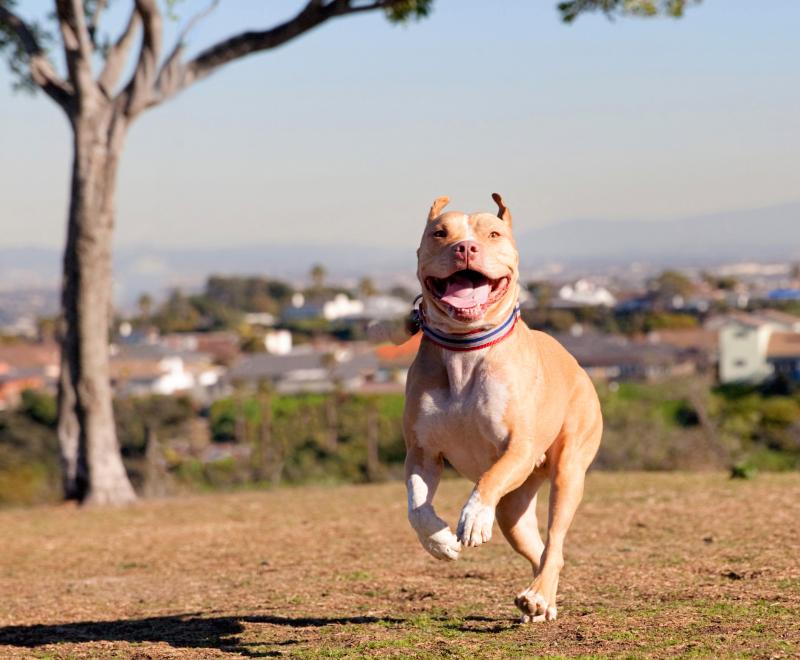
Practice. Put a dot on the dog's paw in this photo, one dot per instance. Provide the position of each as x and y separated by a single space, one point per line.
475 524
442 545
535 607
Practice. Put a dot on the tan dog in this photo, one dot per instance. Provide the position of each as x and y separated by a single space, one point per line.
507 406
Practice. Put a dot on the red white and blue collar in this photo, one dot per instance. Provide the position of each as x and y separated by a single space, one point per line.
469 341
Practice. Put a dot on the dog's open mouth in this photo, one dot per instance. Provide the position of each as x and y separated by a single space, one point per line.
467 293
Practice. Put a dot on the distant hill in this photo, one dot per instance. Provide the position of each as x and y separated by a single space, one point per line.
755 234
758 235
154 269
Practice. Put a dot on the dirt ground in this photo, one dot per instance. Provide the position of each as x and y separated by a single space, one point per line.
657 565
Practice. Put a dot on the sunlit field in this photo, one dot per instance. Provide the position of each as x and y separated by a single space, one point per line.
657 565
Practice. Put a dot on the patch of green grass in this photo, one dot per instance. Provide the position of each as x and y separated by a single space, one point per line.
358 575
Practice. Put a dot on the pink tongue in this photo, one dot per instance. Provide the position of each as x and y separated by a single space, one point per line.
462 293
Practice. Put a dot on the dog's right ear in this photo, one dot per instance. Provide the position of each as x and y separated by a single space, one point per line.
438 205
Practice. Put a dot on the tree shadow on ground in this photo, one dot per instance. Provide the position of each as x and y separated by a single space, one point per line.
179 631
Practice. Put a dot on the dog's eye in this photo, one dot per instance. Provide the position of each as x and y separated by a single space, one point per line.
494 234
440 233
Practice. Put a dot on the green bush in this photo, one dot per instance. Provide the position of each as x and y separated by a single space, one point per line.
28 459
40 407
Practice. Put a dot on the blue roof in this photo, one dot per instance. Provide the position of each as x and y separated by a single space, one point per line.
784 294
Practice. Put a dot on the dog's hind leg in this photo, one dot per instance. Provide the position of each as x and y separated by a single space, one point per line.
574 451
516 516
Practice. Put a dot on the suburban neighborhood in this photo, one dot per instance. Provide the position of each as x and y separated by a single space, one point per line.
733 329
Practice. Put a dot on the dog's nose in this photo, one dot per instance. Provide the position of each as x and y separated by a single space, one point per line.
466 249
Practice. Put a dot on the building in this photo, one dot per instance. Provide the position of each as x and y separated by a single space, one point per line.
394 361
751 346
584 293
700 345
307 369
337 307
615 357
26 366
783 353
222 346
141 370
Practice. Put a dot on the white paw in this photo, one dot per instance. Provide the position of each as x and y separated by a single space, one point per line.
434 534
442 545
535 607
475 524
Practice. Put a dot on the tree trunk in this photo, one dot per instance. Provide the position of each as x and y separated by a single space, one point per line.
90 455
156 476
264 450
373 435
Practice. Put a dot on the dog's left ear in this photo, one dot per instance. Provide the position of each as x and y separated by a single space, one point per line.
502 210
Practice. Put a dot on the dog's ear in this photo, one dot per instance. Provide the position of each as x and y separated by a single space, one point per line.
438 204
502 210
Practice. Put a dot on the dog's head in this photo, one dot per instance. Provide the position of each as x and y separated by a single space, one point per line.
467 267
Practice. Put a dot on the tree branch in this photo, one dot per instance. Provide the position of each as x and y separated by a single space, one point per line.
95 22
572 9
173 65
41 69
180 75
139 89
118 54
78 47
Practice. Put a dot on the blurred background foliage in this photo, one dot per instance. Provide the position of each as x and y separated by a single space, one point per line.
261 439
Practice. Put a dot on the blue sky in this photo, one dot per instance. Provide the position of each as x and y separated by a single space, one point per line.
348 134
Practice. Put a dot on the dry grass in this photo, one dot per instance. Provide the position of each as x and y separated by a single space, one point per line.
657 565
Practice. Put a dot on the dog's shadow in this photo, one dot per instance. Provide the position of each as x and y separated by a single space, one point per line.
194 630
179 631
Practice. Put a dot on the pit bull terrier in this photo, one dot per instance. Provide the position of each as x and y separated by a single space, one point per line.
507 406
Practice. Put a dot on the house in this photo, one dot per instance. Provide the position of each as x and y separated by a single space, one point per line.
783 353
382 307
222 346
334 308
615 357
395 361
308 369
584 293
263 319
700 345
278 342
751 346
147 369
26 366
784 294
23 355
14 382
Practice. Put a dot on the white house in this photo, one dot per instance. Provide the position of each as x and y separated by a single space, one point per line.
585 292
383 307
142 370
341 307
278 342
744 345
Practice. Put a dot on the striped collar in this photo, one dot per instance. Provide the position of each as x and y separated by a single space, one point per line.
469 341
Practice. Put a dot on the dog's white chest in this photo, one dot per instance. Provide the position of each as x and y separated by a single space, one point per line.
466 421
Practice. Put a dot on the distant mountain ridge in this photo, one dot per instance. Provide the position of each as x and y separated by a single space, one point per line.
766 234
771 233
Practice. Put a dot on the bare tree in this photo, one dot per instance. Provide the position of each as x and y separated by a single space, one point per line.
100 109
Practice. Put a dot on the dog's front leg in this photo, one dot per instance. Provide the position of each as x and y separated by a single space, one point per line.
423 472
507 474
